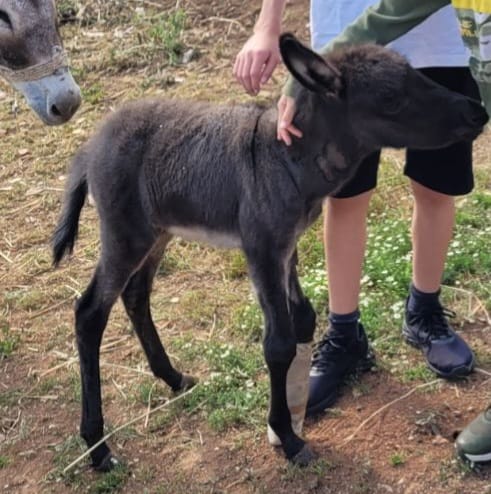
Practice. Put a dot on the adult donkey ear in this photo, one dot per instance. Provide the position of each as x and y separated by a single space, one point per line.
309 68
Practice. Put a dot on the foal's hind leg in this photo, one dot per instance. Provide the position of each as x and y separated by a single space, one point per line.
136 299
122 253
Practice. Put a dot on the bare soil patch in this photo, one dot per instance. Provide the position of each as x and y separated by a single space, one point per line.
406 449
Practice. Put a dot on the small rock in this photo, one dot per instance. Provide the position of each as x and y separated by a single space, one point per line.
188 56
438 440
23 152
385 488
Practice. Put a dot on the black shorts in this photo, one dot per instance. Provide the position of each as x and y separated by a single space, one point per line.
446 170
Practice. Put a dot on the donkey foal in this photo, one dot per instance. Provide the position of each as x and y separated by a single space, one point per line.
217 173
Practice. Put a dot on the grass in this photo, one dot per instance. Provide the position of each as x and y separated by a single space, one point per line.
156 41
397 459
235 391
8 341
166 33
93 94
112 481
207 317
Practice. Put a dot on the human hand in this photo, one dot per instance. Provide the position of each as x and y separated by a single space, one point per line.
257 60
285 127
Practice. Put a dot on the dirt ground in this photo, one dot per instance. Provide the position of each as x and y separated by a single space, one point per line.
406 448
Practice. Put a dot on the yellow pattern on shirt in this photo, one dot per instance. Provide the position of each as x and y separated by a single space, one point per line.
481 6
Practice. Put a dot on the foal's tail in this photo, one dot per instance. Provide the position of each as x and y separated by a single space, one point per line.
75 193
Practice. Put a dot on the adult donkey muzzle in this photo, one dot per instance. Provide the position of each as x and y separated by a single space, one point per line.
55 98
48 87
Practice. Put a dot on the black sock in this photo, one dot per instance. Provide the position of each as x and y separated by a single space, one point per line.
419 301
346 325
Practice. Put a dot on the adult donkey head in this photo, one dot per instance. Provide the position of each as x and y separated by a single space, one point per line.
32 59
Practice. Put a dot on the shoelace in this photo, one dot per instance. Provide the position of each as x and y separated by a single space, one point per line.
432 324
328 349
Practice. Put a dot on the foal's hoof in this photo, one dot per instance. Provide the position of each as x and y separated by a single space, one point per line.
187 382
303 457
108 463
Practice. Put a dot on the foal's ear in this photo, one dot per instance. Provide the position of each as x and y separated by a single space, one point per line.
309 68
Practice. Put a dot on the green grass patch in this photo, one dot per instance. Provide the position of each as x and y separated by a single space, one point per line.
397 459
166 34
112 481
235 265
248 321
156 41
93 94
418 373
8 341
235 390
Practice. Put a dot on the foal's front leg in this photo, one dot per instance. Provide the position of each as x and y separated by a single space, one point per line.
303 317
268 272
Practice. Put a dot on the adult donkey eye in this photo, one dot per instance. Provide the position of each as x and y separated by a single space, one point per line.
5 20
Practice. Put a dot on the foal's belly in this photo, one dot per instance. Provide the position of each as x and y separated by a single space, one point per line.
213 237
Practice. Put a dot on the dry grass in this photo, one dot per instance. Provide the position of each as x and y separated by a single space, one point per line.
199 295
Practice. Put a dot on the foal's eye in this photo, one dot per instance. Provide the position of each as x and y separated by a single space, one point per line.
391 104
5 20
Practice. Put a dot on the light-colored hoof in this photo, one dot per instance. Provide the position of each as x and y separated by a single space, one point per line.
274 440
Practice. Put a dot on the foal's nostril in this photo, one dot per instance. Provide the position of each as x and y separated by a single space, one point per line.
477 114
481 118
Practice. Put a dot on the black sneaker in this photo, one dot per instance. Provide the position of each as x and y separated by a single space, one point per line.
447 354
335 358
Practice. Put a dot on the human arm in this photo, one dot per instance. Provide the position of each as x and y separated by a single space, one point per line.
260 55
381 24
384 22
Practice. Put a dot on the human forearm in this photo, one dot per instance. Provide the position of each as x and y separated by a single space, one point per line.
385 22
270 17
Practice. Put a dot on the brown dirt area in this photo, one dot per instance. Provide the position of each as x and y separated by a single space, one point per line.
406 449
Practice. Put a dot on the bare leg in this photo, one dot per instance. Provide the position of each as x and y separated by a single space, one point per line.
432 227
344 243
345 346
